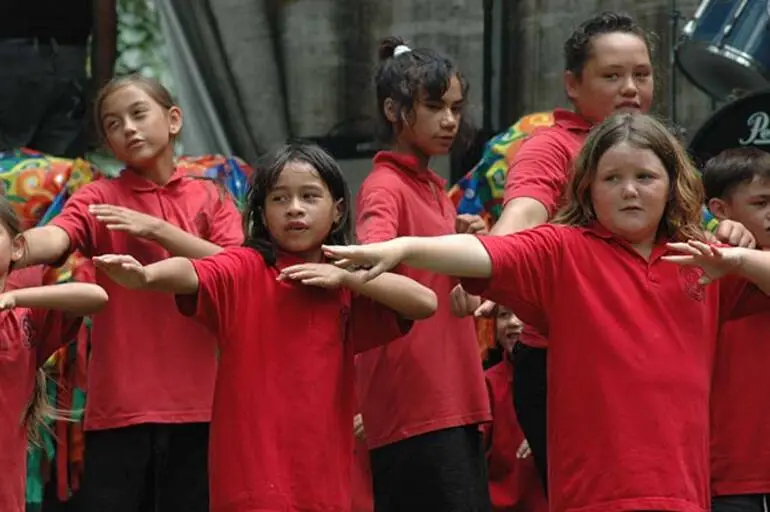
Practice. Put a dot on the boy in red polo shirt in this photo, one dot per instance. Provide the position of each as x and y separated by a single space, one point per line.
422 396
513 481
737 184
151 371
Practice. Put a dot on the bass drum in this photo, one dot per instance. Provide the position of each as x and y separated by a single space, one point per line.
726 47
744 122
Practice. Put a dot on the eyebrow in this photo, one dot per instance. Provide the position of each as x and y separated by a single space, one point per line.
133 105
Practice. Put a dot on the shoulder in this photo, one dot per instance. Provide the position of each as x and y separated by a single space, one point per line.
382 176
552 138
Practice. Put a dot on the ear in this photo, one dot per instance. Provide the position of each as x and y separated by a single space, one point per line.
571 85
175 119
390 110
18 247
719 208
339 210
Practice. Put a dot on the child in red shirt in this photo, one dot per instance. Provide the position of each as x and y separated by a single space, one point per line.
34 322
151 371
288 325
632 336
513 479
422 397
737 184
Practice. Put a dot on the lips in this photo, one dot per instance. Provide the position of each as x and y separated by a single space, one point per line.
629 104
133 143
296 226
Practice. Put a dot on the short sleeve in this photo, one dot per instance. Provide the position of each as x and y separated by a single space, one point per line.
525 267
539 170
50 330
75 220
226 223
223 280
739 298
377 215
372 324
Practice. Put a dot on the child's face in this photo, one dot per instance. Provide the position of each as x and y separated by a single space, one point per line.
137 128
300 211
508 328
629 192
748 204
617 78
432 126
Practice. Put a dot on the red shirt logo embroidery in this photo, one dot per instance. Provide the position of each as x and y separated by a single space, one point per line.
689 279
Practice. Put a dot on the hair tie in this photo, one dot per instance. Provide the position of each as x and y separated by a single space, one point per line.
402 48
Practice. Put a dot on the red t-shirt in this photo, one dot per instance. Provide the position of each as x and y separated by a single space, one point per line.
432 378
631 349
740 418
541 168
149 364
514 485
27 338
282 424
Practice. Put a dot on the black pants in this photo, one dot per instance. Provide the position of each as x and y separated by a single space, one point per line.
43 96
444 471
529 401
739 503
146 468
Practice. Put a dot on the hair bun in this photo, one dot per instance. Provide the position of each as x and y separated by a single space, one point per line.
388 46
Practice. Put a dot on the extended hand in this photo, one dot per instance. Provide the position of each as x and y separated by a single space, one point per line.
378 258
118 218
122 269
7 301
322 275
715 261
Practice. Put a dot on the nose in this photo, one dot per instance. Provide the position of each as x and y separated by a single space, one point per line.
449 120
295 207
129 127
629 190
629 87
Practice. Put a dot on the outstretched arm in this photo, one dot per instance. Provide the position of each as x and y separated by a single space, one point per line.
456 255
78 299
407 297
752 265
174 275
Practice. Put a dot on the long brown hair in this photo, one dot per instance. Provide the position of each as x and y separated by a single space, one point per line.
682 216
39 411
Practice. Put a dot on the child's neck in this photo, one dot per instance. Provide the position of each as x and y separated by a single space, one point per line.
644 249
160 170
409 149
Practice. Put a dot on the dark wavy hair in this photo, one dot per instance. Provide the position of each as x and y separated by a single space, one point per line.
408 77
266 175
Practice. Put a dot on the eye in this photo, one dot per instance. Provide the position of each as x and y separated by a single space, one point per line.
612 76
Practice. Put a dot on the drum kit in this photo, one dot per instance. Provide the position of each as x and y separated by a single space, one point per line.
725 51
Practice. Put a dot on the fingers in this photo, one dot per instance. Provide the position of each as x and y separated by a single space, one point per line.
748 241
378 269
486 309
524 450
113 259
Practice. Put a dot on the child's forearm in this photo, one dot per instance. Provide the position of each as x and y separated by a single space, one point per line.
76 298
755 267
455 255
405 296
181 243
174 275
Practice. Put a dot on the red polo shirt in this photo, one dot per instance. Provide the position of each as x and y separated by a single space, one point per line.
514 485
282 427
432 378
149 364
631 349
740 417
540 169
27 338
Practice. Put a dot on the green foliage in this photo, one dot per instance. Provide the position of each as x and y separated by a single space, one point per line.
141 42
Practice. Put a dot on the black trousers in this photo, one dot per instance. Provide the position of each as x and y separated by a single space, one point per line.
443 471
146 468
529 400
739 503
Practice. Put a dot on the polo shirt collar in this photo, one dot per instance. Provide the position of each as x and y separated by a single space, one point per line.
410 165
139 183
571 121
